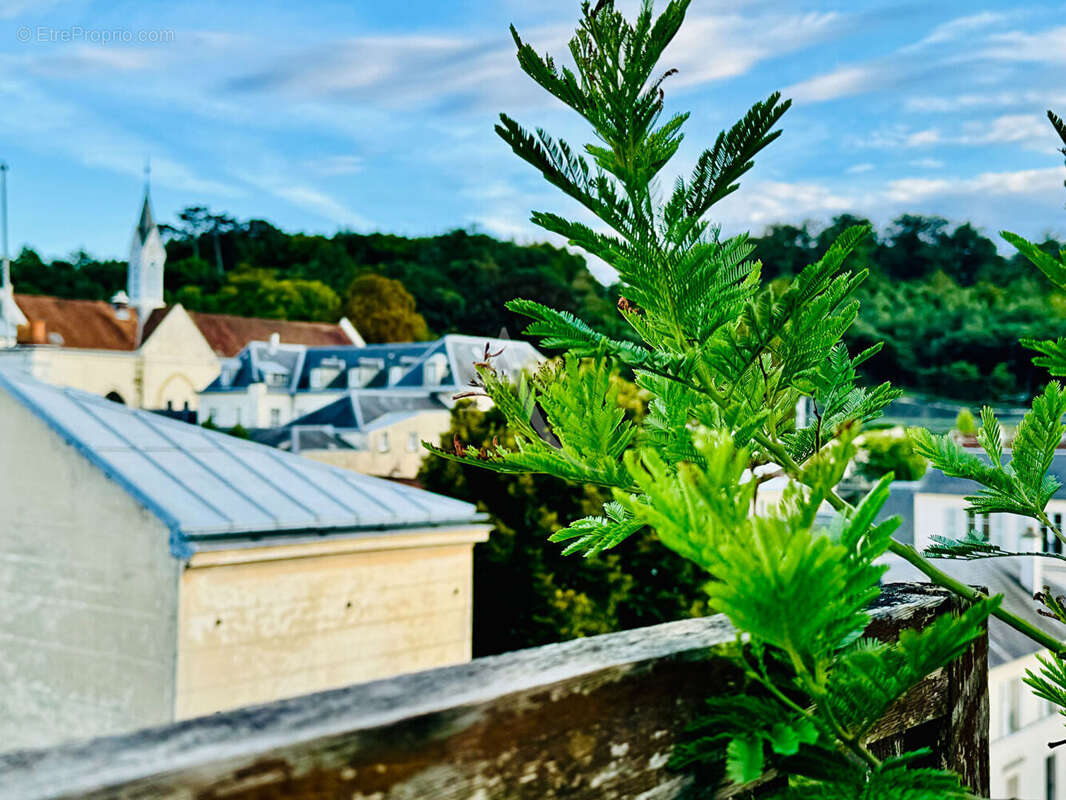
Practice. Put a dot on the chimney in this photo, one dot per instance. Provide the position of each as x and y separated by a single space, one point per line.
275 340
38 331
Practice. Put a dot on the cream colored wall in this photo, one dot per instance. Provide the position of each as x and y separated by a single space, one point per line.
1023 753
96 371
177 362
258 624
88 590
174 364
399 461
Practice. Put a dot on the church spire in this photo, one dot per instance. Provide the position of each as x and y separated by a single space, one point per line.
147 256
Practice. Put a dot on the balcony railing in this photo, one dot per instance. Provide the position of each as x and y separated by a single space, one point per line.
592 718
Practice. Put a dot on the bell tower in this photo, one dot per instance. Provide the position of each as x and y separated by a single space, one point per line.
144 283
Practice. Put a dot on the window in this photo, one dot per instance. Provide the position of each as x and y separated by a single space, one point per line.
1011 695
1049 777
275 417
240 416
277 379
325 373
1013 785
383 442
1051 542
951 523
365 372
412 442
986 527
395 373
212 414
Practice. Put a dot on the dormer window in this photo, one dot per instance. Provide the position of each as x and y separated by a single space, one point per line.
321 377
362 374
277 379
433 370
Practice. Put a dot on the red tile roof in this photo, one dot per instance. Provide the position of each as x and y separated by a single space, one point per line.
228 335
90 324
95 324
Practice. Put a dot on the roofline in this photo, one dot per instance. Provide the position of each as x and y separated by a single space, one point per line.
178 546
182 544
396 538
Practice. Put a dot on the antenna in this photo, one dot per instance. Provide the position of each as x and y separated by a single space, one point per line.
147 172
5 279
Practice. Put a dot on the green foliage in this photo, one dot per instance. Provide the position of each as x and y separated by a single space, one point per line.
724 360
1021 486
965 422
550 597
973 547
259 293
882 452
382 310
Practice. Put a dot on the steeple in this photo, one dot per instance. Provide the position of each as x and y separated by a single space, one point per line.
147 256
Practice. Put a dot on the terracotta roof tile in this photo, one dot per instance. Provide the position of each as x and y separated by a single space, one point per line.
228 335
94 324
91 324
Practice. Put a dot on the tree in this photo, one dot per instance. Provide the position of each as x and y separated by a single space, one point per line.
550 597
965 424
889 451
259 293
724 360
384 311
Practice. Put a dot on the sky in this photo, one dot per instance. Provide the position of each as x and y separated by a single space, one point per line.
373 116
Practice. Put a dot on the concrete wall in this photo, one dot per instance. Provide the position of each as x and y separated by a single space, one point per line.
258 624
89 592
1020 756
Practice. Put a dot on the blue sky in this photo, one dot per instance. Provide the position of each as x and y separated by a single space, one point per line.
374 116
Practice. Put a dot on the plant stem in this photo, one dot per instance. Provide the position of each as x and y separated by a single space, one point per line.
923 565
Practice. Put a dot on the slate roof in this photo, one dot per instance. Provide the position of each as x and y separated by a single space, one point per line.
457 354
146 223
207 486
999 576
936 482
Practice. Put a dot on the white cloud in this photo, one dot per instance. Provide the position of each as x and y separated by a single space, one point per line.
9 9
335 165
1030 130
858 169
962 26
1037 182
65 129
716 46
1048 47
927 163
1000 100
892 137
772 201
832 85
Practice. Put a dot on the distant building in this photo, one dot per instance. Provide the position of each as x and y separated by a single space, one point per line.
374 431
153 570
134 349
1021 725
